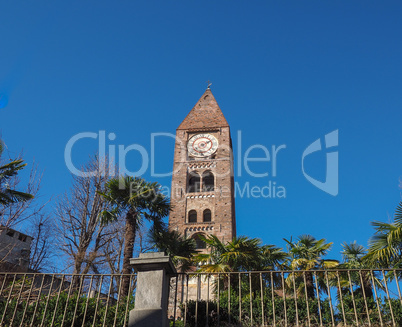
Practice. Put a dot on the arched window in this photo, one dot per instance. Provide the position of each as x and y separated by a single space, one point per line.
192 216
208 181
193 183
207 215
200 244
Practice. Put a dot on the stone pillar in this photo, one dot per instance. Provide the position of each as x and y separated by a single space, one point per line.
151 297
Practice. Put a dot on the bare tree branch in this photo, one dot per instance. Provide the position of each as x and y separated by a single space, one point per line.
80 235
16 213
42 246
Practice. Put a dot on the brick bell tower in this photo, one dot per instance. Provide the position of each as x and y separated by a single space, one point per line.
202 194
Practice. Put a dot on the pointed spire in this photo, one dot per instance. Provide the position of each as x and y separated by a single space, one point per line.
205 114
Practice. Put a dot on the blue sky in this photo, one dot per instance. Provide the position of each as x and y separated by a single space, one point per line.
283 73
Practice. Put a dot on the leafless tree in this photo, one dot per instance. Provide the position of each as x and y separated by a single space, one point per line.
80 234
113 251
41 228
23 214
14 214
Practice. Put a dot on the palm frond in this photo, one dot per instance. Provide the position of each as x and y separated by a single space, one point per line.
398 214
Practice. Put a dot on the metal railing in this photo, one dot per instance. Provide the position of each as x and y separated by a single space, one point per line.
363 297
257 298
34 299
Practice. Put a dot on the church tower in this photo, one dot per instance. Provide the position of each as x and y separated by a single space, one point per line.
202 194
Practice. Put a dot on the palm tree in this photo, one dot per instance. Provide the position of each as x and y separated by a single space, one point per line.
137 200
178 247
240 254
7 195
353 256
306 254
385 247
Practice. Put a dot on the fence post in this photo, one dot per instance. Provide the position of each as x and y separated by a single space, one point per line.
152 292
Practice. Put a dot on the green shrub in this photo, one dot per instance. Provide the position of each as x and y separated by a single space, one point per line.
95 314
252 314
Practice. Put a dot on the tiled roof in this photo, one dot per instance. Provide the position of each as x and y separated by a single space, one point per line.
205 114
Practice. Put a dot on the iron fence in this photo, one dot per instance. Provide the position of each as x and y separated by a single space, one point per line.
287 298
258 298
33 299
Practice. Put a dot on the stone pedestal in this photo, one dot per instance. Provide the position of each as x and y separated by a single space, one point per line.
151 298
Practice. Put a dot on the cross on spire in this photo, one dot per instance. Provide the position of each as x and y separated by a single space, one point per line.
209 83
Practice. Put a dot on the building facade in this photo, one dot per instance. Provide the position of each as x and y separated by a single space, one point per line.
15 250
202 194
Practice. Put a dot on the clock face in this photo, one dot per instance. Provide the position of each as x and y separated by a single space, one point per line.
202 145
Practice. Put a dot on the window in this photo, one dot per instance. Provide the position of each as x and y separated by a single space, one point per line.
22 237
208 182
192 216
10 233
193 183
207 216
200 244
